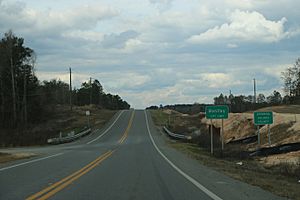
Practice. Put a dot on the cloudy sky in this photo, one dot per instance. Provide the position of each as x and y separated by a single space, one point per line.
160 51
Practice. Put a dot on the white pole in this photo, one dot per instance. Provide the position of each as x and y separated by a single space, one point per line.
211 138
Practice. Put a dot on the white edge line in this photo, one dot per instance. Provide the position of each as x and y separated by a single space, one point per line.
106 129
193 181
32 161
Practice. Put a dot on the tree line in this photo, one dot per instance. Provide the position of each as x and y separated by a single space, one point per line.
23 97
242 103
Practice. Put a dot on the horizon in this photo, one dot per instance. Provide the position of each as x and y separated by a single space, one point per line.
160 51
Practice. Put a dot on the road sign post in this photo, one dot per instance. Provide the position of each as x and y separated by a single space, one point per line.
222 135
216 112
88 113
263 118
211 138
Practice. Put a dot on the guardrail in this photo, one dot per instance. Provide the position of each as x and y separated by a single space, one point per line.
69 138
176 136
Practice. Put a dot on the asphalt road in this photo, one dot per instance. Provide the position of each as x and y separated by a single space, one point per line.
127 159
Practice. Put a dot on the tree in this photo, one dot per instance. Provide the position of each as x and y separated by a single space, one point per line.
261 98
291 78
274 98
249 99
219 100
17 74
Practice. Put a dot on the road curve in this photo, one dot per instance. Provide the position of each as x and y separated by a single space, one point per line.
127 159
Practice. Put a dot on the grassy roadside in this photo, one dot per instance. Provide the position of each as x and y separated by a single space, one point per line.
276 180
58 119
6 157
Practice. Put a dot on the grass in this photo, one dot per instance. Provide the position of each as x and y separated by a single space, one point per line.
250 172
160 118
281 180
59 119
293 109
6 157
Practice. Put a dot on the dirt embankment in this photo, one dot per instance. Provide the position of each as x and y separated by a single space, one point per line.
279 173
285 129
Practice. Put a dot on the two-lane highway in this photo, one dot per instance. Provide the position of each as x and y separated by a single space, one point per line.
128 159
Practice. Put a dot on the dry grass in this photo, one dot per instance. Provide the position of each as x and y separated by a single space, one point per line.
58 119
293 109
277 180
280 178
5 157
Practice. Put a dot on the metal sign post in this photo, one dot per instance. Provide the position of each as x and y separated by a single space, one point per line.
216 112
211 138
263 118
269 134
88 113
222 136
258 136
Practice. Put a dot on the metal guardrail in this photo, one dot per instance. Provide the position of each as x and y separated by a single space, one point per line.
70 138
176 136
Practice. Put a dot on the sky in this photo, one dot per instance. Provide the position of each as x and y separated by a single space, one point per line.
154 52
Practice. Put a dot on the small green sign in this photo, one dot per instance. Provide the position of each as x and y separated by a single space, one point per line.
216 112
262 118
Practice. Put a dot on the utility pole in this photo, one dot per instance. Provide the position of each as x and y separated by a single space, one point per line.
70 88
254 88
91 90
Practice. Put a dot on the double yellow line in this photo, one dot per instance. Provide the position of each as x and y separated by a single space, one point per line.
58 186
121 140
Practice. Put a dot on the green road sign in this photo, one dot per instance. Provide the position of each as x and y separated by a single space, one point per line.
216 112
262 118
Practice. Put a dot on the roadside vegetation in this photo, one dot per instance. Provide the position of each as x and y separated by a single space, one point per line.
58 119
278 173
32 110
7 157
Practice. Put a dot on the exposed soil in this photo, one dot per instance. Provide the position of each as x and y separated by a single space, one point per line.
277 173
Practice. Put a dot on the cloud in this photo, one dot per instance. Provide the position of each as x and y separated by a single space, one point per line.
146 51
118 40
16 16
231 45
245 26
162 5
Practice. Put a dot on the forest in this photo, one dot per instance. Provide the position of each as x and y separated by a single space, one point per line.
23 97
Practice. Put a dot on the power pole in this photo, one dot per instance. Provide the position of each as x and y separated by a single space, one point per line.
254 87
91 90
70 88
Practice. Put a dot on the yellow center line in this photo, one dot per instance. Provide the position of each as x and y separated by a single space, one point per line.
121 140
58 186
68 177
62 186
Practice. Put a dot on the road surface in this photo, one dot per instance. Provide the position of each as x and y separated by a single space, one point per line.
128 159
